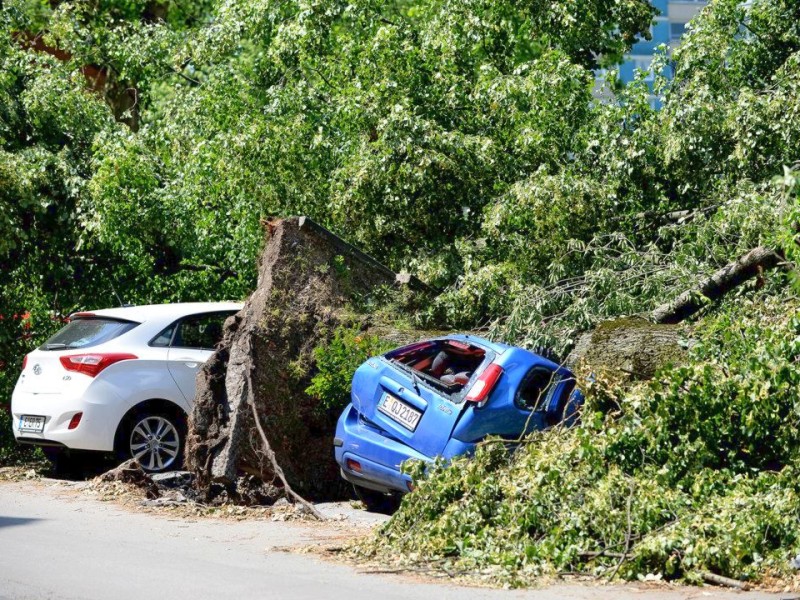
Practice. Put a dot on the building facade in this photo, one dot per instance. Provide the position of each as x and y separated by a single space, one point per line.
667 28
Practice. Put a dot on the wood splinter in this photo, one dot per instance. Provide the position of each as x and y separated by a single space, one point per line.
725 581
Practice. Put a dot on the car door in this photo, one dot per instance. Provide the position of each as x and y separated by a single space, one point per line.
531 395
193 342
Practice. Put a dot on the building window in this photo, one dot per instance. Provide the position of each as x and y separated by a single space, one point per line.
676 31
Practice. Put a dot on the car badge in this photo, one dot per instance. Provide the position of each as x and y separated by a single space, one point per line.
37 369
445 409
67 378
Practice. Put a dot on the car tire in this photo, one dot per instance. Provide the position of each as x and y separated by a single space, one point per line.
156 439
377 501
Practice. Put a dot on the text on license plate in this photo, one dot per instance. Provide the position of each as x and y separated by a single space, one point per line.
31 423
400 411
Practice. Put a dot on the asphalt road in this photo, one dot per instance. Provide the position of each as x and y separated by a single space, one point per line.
60 544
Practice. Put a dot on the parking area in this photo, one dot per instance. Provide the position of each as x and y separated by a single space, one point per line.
56 541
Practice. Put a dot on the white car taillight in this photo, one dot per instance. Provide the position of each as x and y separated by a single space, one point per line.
92 364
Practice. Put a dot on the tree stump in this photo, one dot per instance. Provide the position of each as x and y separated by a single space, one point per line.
307 279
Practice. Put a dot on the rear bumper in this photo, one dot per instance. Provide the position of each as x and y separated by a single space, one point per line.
34 441
95 431
380 457
374 476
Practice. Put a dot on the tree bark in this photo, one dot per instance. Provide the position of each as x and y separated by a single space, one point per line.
252 413
631 346
640 346
747 266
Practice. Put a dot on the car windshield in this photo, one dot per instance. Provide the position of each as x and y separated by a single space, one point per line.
448 364
85 332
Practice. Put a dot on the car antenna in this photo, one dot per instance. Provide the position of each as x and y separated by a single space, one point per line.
121 303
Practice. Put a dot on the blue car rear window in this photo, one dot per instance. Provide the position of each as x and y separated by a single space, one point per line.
448 365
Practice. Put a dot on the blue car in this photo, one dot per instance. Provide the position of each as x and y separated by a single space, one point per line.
441 397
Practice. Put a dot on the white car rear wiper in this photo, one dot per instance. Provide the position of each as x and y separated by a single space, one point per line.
55 346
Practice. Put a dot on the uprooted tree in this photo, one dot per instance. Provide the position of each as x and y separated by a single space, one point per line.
252 412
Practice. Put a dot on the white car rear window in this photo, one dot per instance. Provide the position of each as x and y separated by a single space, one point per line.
86 332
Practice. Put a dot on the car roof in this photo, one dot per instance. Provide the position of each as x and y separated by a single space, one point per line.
160 312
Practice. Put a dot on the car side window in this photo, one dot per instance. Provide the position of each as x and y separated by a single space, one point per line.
202 332
535 387
163 339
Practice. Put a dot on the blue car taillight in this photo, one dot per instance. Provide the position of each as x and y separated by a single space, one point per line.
481 389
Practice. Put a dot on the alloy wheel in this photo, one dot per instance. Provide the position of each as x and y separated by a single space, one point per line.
155 443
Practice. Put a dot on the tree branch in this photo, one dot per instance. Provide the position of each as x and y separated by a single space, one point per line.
747 266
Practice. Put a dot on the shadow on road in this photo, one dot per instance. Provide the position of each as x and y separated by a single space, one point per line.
15 521
76 465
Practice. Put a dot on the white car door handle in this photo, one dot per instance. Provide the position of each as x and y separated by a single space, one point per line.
189 361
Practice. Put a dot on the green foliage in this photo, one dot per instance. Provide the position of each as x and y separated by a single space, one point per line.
395 123
697 471
142 143
337 360
650 201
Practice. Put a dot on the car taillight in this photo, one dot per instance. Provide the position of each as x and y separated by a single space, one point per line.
24 362
92 364
481 389
75 421
353 465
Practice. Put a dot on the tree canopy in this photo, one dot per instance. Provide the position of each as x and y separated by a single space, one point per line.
142 143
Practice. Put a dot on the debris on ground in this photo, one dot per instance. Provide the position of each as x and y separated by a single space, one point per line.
175 492
20 473
173 479
130 472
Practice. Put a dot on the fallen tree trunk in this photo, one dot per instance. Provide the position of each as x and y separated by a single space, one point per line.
633 346
638 346
747 266
252 412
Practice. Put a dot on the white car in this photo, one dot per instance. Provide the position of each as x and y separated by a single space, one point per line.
118 380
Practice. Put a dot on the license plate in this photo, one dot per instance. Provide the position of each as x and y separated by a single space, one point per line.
31 423
400 412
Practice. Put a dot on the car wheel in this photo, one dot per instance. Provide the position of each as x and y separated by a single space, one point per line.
156 441
377 501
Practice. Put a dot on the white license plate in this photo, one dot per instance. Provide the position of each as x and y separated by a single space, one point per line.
31 424
399 411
